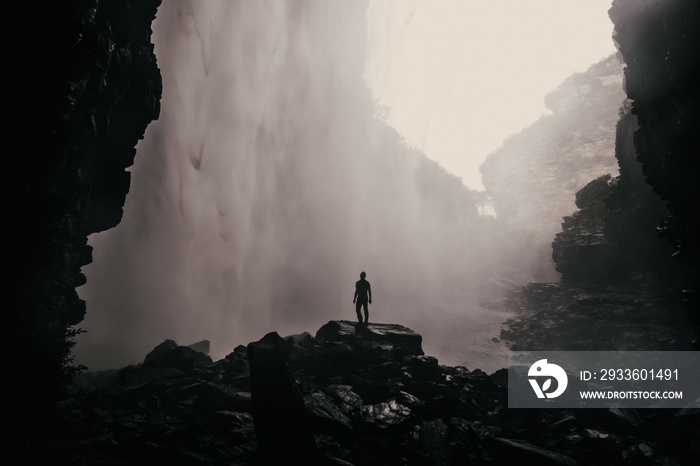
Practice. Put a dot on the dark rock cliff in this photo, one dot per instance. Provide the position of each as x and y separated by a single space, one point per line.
613 238
659 42
532 179
617 236
624 285
80 85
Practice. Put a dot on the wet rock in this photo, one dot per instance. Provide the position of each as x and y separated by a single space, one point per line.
232 418
140 396
373 391
646 450
281 423
385 336
333 451
340 352
132 375
478 378
303 339
520 451
635 456
566 317
409 400
383 415
388 410
433 440
427 389
345 398
439 407
426 367
325 416
299 347
621 421
204 397
500 378
169 354
156 356
201 346
184 357
238 352
237 363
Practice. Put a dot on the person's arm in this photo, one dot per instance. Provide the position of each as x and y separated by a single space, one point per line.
355 297
369 290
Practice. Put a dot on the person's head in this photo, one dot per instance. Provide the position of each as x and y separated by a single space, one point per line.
363 275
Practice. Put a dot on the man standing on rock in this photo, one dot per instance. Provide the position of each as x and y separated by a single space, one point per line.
363 292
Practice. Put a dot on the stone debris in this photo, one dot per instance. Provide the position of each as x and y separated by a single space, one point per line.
343 398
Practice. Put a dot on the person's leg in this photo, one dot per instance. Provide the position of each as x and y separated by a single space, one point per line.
366 312
357 309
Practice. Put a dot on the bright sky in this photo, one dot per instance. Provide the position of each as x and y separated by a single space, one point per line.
461 75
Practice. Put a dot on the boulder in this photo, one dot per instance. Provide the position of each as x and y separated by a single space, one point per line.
204 397
345 398
281 423
141 396
201 346
301 339
426 367
390 337
169 354
366 413
433 441
325 416
156 356
386 414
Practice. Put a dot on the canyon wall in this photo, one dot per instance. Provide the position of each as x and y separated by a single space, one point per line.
79 88
532 179
659 43
613 238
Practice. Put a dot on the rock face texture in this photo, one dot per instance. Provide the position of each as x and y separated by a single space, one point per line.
388 336
80 85
352 395
613 238
533 178
170 354
637 233
659 43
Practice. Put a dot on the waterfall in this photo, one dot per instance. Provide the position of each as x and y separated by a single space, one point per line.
267 186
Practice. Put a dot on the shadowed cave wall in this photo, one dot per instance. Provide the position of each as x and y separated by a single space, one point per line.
80 85
659 43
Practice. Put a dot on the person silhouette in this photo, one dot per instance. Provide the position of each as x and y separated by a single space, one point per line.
363 293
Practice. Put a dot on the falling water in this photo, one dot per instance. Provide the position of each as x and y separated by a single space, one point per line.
268 185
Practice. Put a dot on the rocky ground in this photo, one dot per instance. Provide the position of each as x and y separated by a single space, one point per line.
564 317
351 394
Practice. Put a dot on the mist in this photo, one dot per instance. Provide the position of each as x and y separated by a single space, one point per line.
269 183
